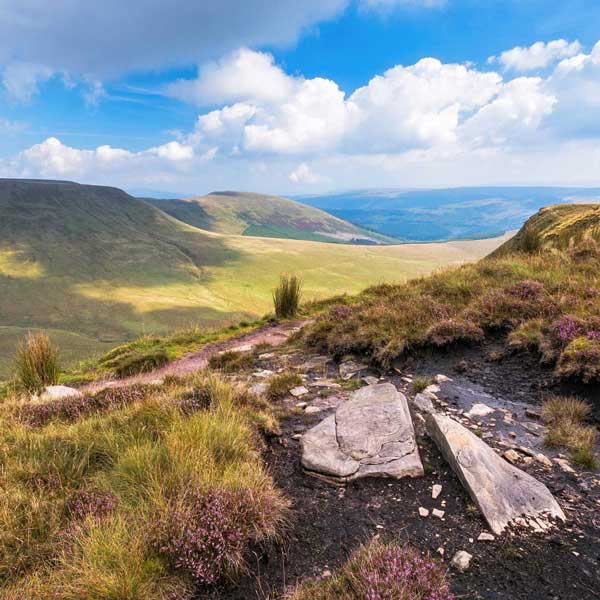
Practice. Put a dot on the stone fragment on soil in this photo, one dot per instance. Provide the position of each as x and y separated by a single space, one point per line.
436 512
263 374
369 435
370 380
351 368
480 410
298 391
423 403
512 456
258 388
563 463
502 492
462 560
423 511
485 537
59 392
312 410
436 490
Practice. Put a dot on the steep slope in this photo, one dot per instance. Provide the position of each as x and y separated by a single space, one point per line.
443 214
259 215
558 226
98 267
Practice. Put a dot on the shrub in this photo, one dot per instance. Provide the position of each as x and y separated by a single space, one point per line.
580 359
528 335
231 361
419 383
381 572
280 385
453 331
286 297
140 362
91 503
36 363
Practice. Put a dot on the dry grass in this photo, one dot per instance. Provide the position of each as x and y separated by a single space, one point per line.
231 361
419 383
286 297
566 417
280 385
80 497
36 363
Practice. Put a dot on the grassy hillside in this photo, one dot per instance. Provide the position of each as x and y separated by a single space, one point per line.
442 214
98 267
258 215
558 227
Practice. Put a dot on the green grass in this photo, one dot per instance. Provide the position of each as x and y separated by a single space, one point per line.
280 385
137 271
86 497
36 363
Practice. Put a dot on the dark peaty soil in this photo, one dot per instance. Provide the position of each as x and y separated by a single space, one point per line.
329 522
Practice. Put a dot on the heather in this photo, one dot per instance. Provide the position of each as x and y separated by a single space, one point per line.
92 498
547 303
381 571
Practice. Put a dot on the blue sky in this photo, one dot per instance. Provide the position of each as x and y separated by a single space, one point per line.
288 97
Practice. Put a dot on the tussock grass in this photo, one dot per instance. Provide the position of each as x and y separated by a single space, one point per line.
286 297
231 361
565 416
36 363
419 383
82 498
280 385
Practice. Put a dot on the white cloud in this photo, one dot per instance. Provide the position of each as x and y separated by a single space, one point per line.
173 151
390 4
21 80
538 56
303 174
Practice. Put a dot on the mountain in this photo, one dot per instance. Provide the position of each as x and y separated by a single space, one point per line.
258 215
97 267
444 214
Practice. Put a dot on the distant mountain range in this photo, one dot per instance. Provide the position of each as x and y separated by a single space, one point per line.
445 214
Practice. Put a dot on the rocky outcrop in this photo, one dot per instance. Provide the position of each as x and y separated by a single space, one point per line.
58 392
369 435
504 494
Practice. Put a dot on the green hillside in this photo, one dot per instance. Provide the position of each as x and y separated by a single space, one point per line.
259 215
98 267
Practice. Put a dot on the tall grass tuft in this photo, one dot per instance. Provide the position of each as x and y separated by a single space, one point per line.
286 297
36 363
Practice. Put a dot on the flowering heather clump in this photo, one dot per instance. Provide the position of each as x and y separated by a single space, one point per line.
451 331
205 533
341 311
567 328
94 503
526 290
195 399
381 572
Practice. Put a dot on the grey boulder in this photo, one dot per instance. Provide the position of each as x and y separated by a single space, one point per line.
504 494
370 435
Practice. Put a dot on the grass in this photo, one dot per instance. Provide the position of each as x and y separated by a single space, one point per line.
286 297
565 417
231 361
36 363
280 385
139 272
94 499
380 571
420 383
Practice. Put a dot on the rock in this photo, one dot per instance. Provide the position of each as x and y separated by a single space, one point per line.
512 456
532 414
485 537
301 404
563 463
244 348
502 492
544 460
479 410
423 511
328 402
266 355
258 388
297 436
436 512
369 435
436 490
263 374
461 560
423 403
441 551
326 574
298 391
326 383
439 378
59 392
371 380
312 410
350 368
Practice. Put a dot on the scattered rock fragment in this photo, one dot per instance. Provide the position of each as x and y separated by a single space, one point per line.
423 511
350 368
485 537
299 391
370 380
436 512
423 403
502 492
479 410
263 374
462 560
301 404
258 388
512 456
544 460
436 490
59 392
312 410
563 463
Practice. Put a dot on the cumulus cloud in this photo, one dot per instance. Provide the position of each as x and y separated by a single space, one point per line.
21 79
538 56
303 174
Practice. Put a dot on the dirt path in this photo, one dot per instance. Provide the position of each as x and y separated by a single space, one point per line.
273 335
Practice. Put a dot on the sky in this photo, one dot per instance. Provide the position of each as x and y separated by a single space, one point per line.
288 97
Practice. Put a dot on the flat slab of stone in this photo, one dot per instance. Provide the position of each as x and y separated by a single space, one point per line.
59 392
503 493
370 435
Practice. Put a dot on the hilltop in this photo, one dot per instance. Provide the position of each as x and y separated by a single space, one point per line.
97 267
442 214
259 215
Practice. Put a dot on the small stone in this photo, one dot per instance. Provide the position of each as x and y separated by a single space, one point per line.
263 374
370 380
59 392
406 379
532 414
527 460
301 404
512 456
423 403
462 560
436 490
258 388
564 465
423 511
312 410
485 537
544 460
479 410
440 551
297 436
350 368
439 378
326 574
298 391
436 512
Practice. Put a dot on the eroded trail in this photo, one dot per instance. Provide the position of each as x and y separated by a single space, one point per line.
274 335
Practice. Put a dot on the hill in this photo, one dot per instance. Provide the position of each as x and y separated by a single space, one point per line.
443 214
258 215
558 227
98 267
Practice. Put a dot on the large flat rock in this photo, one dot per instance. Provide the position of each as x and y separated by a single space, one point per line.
504 494
370 435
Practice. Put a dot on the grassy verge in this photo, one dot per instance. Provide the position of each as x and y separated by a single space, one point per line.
134 494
